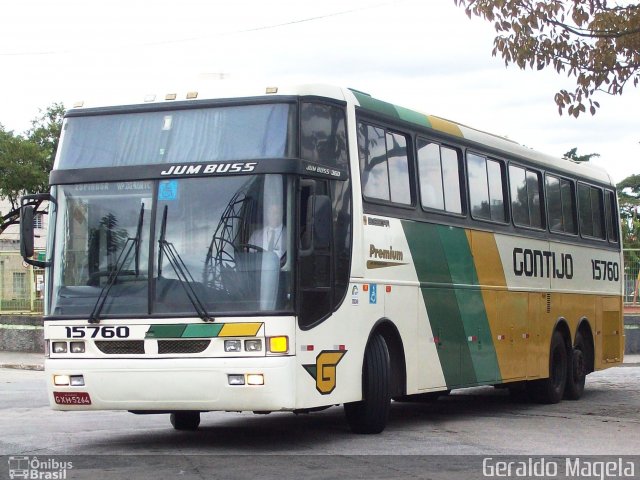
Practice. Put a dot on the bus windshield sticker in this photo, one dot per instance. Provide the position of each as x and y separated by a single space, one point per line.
168 190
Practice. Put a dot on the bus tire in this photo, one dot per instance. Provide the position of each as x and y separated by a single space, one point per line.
371 413
185 420
577 370
551 390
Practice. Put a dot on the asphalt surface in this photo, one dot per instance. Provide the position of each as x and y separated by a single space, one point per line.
449 438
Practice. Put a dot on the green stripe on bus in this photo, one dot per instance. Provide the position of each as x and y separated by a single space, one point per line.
413 117
378 106
471 304
205 330
431 264
454 303
391 110
166 331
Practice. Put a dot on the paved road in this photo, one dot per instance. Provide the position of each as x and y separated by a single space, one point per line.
479 421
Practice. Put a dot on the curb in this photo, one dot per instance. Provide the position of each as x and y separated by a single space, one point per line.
22 366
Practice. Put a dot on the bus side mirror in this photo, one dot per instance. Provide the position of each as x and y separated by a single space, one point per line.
26 230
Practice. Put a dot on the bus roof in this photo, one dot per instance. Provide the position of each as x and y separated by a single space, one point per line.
480 138
470 136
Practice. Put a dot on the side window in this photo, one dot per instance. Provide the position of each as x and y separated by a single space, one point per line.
611 215
525 196
486 192
590 211
439 170
398 165
323 134
561 205
384 164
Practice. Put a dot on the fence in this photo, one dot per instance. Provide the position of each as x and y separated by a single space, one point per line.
21 285
631 276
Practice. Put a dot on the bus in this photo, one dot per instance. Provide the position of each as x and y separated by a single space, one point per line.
296 248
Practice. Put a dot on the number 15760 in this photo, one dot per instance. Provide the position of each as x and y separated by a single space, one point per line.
103 331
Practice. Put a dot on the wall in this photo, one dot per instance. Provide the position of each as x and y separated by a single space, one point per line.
24 333
21 333
632 332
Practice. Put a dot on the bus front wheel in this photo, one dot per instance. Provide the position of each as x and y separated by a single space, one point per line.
371 413
185 420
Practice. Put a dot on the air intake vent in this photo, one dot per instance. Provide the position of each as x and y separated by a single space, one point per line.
548 303
121 347
182 346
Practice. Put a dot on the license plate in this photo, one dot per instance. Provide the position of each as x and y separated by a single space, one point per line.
72 398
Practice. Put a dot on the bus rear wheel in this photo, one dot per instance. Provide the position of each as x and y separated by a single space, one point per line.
550 390
577 370
185 420
371 413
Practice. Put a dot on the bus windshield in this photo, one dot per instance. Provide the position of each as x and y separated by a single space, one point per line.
178 136
223 243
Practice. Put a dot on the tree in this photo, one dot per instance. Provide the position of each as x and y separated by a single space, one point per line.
629 202
25 162
573 155
595 41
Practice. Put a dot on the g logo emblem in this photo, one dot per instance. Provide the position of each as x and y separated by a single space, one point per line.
325 370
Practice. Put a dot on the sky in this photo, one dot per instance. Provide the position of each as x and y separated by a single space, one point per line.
421 54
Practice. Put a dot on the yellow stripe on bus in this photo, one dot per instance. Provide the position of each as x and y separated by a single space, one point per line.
240 330
445 126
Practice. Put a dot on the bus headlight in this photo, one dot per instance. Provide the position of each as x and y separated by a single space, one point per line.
232 345
255 379
61 380
235 379
59 347
77 347
253 345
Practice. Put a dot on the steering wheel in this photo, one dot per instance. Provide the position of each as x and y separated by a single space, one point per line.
248 246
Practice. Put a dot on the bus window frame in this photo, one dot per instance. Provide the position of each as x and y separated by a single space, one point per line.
574 189
602 218
411 165
543 199
612 220
505 187
460 152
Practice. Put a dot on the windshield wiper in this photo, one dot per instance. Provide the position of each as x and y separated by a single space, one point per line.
182 272
94 317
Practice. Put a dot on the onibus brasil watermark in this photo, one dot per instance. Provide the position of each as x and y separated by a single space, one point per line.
38 469
570 467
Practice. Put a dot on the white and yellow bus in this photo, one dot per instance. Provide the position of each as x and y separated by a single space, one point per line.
299 248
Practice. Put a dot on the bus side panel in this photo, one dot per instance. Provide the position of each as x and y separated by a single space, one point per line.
507 311
330 355
454 303
611 326
390 266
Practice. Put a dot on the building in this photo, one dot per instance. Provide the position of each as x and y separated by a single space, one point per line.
21 286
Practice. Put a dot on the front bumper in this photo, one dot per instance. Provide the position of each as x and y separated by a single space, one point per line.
177 384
